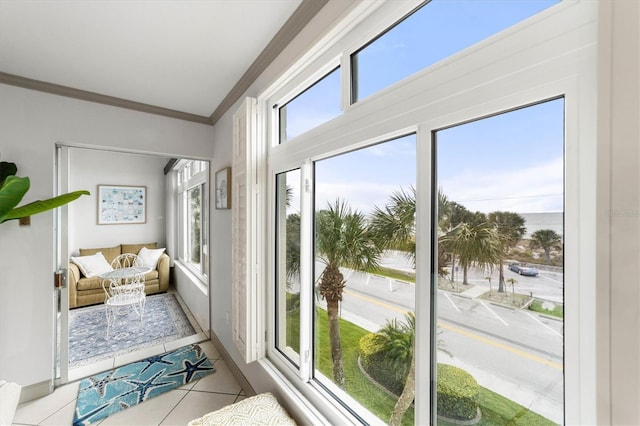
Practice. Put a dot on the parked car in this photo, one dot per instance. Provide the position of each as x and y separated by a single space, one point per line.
523 270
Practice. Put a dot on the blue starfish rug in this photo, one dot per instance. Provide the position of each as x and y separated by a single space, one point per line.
107 393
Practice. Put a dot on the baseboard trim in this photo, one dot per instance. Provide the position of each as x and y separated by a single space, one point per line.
237 373
36 390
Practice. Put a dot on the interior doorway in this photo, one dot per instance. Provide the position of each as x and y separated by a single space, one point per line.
77 226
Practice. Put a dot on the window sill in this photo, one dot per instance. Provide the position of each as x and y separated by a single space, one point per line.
299 405
307 403
198 280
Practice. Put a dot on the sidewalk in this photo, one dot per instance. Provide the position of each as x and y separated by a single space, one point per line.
473 292
534 401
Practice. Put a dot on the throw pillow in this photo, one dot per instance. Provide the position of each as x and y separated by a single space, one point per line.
150 257
92 266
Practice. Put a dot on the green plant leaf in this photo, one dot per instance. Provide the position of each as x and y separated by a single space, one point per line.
11 193
42 205
7 169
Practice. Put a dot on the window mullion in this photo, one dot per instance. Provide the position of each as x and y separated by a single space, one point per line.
345 81
306 272
425 328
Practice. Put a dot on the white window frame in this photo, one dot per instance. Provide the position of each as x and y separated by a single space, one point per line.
183 186
549 55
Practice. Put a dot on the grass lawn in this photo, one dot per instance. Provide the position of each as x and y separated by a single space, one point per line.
557 311
496 410
396 274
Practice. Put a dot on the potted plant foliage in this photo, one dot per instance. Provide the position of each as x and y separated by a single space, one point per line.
14 188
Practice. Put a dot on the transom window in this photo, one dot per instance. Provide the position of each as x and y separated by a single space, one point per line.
435 31
316 105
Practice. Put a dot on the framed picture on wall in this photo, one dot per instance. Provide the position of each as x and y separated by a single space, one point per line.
223 188
120 204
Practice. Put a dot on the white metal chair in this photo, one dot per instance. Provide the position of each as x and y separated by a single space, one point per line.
124 286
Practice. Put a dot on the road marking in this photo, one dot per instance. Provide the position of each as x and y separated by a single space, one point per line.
451 301
502 346
468 333
377 302
544 325
496 315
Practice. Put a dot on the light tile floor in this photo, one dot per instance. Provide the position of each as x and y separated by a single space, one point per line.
175 407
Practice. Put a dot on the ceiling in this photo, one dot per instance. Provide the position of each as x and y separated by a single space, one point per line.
174 57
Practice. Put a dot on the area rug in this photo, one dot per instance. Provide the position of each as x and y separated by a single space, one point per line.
163 321
107 393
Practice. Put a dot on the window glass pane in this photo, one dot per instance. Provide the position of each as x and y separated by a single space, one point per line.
194 232
435 31
288 264
364 271
499 288
316 105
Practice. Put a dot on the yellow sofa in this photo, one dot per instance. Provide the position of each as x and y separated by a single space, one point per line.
85 291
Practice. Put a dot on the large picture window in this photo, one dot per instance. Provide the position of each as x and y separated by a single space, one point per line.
428 241
364 253
499 287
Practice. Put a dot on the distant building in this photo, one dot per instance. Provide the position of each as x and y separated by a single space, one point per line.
548 220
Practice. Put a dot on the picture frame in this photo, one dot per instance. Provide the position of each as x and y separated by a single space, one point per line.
122 204
223 188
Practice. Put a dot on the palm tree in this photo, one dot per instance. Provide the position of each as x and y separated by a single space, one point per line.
342 239
394 225
546 239
513 282
292 247
454 215
399 346
510 228
477 244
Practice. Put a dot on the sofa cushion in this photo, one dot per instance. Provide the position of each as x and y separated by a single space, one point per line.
109 253
92 266
135 248
150 276
93 283
150 257
262 409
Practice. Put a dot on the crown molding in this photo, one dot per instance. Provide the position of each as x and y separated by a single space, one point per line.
57 89
300 18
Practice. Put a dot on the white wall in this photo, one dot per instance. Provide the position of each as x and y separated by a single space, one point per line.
618 226
90 168
30 125
194 294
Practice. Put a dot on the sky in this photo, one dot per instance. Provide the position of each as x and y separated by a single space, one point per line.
512 161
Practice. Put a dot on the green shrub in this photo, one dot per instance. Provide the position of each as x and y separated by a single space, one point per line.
370 344
374 361
457 393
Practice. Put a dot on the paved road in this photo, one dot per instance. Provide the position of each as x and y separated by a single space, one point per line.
516 353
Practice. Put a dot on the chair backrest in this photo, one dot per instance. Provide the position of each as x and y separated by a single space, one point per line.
126 260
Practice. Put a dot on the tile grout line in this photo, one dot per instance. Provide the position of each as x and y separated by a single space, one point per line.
175 406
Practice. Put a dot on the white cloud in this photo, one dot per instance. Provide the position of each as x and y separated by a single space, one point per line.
361 196
534 189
